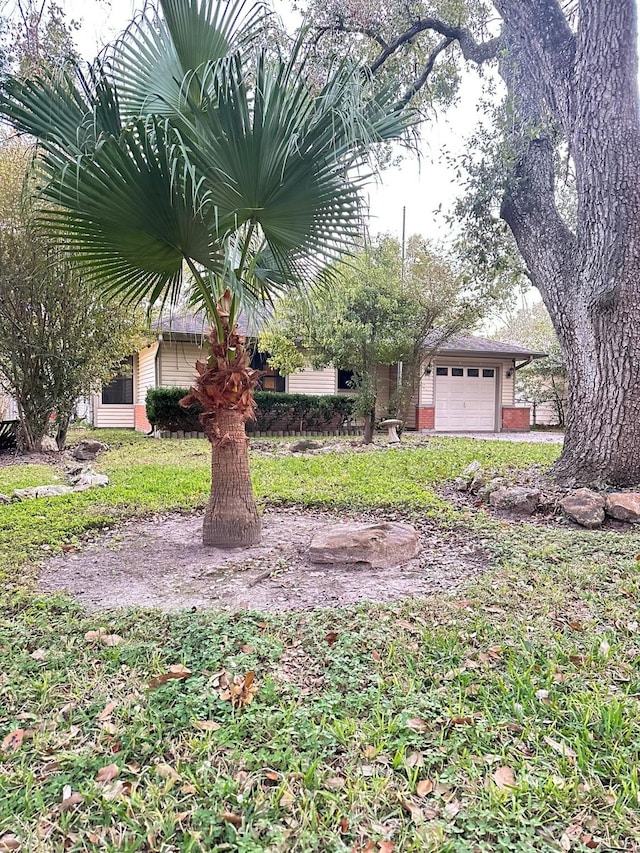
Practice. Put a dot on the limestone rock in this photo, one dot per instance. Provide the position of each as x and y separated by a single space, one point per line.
478 482
89 479
88 449
471 472
625 506
52 491
5 499
485 491
48 445
378 545
303 445
585 507
518 499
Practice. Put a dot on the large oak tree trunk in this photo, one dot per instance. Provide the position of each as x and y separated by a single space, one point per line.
231 518
583 83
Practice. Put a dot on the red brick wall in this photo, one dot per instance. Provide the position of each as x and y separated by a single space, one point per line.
516 418
425 417
140 419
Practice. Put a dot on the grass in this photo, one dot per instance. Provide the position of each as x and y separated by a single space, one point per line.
376 728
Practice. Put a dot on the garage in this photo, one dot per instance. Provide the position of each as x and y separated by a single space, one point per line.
465 398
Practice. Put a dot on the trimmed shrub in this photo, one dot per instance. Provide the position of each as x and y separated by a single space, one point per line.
275 411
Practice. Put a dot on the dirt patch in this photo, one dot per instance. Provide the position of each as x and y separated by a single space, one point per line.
162 563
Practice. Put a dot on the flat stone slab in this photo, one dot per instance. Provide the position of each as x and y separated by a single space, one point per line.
516 499
380 545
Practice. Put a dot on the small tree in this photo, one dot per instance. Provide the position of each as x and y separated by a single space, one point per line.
58 339
545 379
377 314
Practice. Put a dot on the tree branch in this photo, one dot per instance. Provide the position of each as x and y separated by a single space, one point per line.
422 79
471 49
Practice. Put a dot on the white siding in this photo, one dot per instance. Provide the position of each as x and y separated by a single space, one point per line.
8 408
146 377
114 416
425 390
178 363
409 413
310 381
508 385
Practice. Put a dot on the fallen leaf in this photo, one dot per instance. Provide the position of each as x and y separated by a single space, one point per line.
104 637
424 787
187 788
504 778
13 741
416 759
386 846
415 811
562 748
603 649
344 826
543 696
71 800
331 637
114 789
206 725
107 773
462 721
176 671
8 842
336 782
107 711
38 654
240 690
369 752
287 799
166 771
376 655
452 808
417 724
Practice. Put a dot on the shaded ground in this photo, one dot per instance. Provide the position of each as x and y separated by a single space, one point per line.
162 563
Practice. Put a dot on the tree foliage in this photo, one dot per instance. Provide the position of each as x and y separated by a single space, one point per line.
58 339
376 314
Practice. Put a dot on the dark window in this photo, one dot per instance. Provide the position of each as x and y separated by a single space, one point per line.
457 371
442 371
488 373
119 392
270 379
345 380
473 371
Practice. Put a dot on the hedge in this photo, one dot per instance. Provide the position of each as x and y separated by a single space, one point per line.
275 411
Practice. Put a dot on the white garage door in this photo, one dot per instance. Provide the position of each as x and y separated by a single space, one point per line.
465 398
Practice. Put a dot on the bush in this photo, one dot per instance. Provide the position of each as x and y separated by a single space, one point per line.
275 411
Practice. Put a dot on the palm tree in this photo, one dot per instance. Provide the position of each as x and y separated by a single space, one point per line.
189 152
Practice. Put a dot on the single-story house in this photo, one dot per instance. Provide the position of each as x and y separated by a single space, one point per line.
469 384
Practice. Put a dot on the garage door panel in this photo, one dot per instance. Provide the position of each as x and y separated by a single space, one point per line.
465 398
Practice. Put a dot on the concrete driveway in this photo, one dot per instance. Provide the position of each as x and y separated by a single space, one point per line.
533 437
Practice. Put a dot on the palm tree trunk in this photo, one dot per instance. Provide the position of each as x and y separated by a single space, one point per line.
231 518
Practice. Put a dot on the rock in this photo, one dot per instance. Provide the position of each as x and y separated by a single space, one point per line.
625 506
88 449
585 507
41 492
493 485
477 483
303 445
518 499
90 479
378 545
48 445
5 499
464 481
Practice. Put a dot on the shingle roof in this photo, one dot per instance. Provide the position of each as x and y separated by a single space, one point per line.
192 325
483 346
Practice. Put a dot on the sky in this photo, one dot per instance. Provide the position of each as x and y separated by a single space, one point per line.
419 187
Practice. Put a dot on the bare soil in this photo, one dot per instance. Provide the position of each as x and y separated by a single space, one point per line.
162 563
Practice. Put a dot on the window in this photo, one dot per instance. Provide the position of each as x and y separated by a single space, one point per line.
442 371
345 380
473 371
457 371
270 379
119 392
488 373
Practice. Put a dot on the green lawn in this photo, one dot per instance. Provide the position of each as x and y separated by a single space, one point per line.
506 719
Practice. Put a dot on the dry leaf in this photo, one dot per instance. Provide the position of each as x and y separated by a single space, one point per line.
104 637
114 789
175 671
206 725
415 811
343 826
239 690
504 778
71 800
106 712
8 842
13 741
462 721
166 771
107 773
543 696
369 752
424 787
603 649
562 748
452 808
38 654
287 799
386 846
331 637
187 788
416 759
376 655
336 782
417 724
